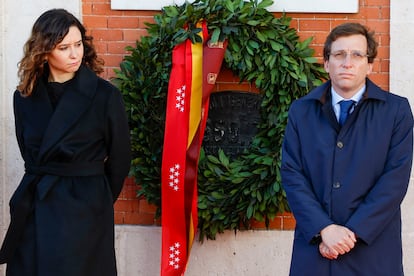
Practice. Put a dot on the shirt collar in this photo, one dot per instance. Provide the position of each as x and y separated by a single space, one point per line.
336 98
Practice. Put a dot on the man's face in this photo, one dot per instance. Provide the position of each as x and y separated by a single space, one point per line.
348 64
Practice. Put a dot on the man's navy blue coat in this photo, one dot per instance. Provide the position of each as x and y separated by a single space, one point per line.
355 176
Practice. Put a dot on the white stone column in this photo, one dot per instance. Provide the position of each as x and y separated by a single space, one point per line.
402 83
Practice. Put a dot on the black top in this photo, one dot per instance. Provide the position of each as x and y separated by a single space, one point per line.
55 91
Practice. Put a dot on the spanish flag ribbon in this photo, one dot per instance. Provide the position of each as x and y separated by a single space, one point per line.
191 81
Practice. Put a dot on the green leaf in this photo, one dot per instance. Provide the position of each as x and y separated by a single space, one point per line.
253 22
310 59
276 46
253 44
249 211
264 4
215 36
213 159
223 158
261 36
230 6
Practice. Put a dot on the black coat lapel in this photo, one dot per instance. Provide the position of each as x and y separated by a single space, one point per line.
70 109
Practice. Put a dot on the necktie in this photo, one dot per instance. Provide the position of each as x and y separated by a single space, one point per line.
344 112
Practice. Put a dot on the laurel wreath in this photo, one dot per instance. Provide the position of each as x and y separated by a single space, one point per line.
263 50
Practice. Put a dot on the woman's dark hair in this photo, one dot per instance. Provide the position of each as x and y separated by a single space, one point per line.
348 29
48 31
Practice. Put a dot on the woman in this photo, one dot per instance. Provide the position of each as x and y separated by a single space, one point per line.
73 135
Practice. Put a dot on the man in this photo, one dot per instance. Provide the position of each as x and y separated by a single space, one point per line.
345 178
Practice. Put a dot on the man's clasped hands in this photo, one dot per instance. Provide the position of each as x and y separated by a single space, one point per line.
336 240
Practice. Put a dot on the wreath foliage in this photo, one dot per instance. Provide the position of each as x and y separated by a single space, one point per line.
262 50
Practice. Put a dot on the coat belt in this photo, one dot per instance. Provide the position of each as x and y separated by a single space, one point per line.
66 169
40 179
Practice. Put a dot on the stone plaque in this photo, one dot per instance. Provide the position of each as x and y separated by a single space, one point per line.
232 122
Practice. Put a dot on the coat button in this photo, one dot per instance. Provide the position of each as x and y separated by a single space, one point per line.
337 185
340 144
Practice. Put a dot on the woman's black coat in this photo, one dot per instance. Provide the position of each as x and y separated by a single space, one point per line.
76 159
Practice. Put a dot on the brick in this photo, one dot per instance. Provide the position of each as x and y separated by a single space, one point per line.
383 52
276 223
132 218
145 207
118 47
95 22
379 26
109 72
383 40
318 51
86 8
112 60
288 222
101 8
105 35
380 3
100 46
139 218
318 38
123 22
145 19
119 218
131 193
126 205
129 181
314 25
132 35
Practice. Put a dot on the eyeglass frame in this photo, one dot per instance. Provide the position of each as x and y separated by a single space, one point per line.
355 55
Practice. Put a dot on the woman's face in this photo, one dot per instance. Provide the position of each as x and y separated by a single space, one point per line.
65 59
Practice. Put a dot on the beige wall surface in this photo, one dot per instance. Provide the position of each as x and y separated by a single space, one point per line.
257 253
402 83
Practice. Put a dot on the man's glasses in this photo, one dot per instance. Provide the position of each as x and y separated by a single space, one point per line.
342 55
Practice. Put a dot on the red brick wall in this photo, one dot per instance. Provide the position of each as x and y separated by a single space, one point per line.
113 30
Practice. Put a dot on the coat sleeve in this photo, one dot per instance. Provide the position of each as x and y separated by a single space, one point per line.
383 201
310 216
118 143
17 121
